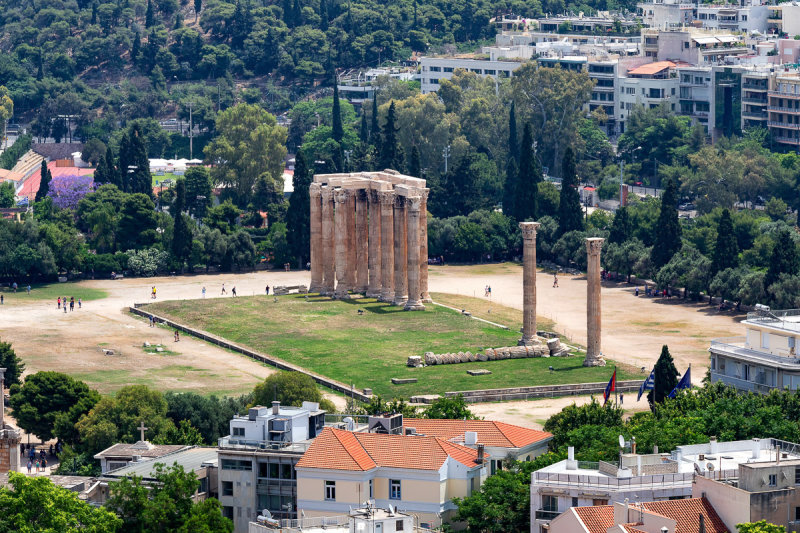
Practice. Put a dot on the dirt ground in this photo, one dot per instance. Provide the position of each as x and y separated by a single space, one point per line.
47 339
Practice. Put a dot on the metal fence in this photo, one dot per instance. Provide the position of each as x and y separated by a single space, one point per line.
656 481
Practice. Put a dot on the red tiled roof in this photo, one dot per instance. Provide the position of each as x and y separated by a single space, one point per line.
343 450
31 185
652 68
596 519
489 432
686 513
630 528
8 175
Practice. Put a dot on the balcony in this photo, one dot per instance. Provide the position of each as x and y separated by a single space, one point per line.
542 514
786 125
755 101
736 348
740 384
783 109
783 95
787 140
754 87
230 443
701 114
754 115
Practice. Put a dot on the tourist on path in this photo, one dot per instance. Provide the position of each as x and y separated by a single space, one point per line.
204 292
154 293
1 299
223 289
28 288
555 281
30 465
233 291
80 304
59 302
71 304
177 336
38 466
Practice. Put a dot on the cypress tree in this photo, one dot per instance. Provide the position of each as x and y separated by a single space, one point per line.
181 233
287 13
297 216
323 15
139 179
363 132
297 13
375 130
414 163
114 176
526 197
336 120
668 228
726 249
570 215
101 174
783 259
137 45
40 68
512 163
149 17
123 173
94 13
198 5
389 148
620 227
665 377
44 183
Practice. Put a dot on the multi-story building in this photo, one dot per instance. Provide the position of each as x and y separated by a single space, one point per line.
580 23
435 69
692 45
755 85
650 85
662 14
638 477
784 108
789 17
765 358
419 475
696 95
747 16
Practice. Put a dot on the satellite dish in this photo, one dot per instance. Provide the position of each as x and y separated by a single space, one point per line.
266 514
710 467
391 509
621 441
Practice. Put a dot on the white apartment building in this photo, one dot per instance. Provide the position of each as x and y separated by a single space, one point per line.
748 16
641 477
435 69
765 358
696 95
666 13
693 46
649 85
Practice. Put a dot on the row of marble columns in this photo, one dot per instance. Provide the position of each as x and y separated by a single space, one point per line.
594 356
370 241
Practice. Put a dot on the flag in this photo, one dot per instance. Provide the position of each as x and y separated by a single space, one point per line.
611 387
648 384
684 383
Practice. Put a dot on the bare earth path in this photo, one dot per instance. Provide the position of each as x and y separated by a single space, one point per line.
633 331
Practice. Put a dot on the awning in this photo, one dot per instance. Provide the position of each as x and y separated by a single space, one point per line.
705 40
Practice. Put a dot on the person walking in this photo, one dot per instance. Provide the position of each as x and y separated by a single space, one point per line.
267 290
233 291
1 299
30 466
59 302
80 304
71 303
177 336
154 292
555 281
38 466
28 288
15 286
152 321
204 292
44 464
223 289
65 306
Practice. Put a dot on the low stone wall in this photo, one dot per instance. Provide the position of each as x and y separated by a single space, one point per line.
273 361
543 391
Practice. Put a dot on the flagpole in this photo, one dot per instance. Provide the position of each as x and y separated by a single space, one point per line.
616 389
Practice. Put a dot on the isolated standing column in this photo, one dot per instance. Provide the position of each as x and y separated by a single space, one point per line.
528 282
374 245
423 248
361 242
315 214
593 355
387 245
413 215
328 245
341 233
400 261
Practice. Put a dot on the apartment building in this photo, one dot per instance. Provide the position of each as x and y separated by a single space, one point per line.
755 86
639 477
650 85
765 358
581 23
435 69
415 474
747 16
784 19
692 45
784 109
696 95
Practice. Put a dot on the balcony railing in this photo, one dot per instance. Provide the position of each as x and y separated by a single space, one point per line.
754 86
232 443
543 514
648 482
780 94
783 109
754 115
787 125
736 347
786 140
757 101
741 384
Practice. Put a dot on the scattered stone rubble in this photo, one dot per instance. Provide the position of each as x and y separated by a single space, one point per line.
551 348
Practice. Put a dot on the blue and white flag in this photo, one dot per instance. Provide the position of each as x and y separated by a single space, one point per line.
684 383
648 384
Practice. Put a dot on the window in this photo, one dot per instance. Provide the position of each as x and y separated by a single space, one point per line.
796 514
797 475
330 490
448 69
600 502
574 501
765 340
490 72
398 525
746 372
773 480
273 470
436 69
549 503
203 485
394 489
227 488
474 483
238 432
227 512
235 464
713 363
286 471
371 489
435 81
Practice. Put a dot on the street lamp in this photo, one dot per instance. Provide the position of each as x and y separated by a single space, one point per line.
446 155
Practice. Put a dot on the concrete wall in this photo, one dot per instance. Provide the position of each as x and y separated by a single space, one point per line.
791 19
732 504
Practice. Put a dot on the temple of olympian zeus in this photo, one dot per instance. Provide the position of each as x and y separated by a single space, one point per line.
369 235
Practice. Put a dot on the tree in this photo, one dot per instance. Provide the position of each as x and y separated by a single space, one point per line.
182 433
198 191
452 408
198 5
6 194
181 233
35 504
105 168
289 388
501 504
726 250
666 378
375 130
93 150
44 183
625 258
784 258
414 163
526 204
44 397
570 214
136 171
149 18
209 414
297 217
249 144
136 47
512 163
389 152
12 363
667 240
620 227
762 526
6 110
137 223
338 130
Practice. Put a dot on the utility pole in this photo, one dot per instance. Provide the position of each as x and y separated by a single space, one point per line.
446 154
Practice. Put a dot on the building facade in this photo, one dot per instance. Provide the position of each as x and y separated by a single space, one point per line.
435 69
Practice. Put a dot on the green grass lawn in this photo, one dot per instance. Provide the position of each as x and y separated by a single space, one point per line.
331 338
167 176
51 291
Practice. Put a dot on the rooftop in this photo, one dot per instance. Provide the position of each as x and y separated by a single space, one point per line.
141 449
490 433
651 68
190 459
31 185
343 450
785 319
686 513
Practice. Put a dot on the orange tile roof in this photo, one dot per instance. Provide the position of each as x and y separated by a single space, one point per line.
490 433
596 519
342 450
631 529
652 68
8 175
31 185
686 513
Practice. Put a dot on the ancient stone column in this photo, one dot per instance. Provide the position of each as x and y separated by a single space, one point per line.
593 355
350 274
315 214
387 245
341 232
413 215
528 283
361 242
423 248
374 245
328 244
400 255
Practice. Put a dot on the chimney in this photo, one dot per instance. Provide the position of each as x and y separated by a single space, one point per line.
702 523
655 449
276 407
714 449
470 438
479 460
572 464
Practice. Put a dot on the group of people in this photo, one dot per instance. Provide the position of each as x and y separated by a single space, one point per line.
63 302
224 292
38 460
